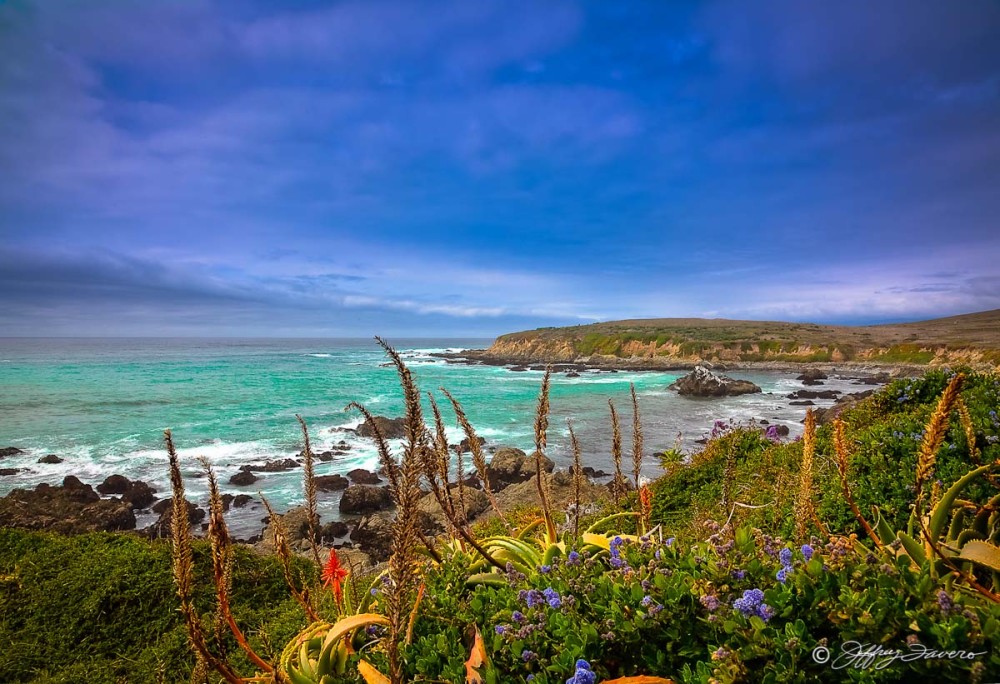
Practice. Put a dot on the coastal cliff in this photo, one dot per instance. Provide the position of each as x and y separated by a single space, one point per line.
972 340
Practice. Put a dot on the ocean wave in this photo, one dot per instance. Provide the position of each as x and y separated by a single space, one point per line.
319 356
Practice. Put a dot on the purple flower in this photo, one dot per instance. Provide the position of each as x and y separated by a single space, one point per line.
573 558
532 597
750 602
739 574
552 597
710 602
807 551
785 556
656 554
517 616
583 674
945 602
527 656
765 612
783 574
647 600
545 569
654 609
500 629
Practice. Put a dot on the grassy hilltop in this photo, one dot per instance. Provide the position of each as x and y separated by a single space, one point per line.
970 339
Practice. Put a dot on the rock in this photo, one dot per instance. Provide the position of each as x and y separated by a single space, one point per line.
10 451
590 472
161 528
466 446
802 402
331 483
877 379
373 535
518 369
362 476
702 382
812 376
72 508
51 458
295 523
814 394
325 456
782 430
241 500
9 471
510 465
365 499
828 415
391 428
227 501
475 501
271 466
138 494
333 531
572 374
561 478
243 478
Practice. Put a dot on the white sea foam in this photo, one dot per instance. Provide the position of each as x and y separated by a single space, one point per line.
320 356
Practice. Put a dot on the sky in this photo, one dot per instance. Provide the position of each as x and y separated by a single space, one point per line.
476 167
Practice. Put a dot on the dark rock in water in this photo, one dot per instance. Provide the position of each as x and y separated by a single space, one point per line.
465 445
161 528
333 530
227 501
271 466
518 369
877 379
243 478
362 476
812 376
373 535
72 508
702 382
139 495
10 451
325 456
572 374
114 484
331 483
782 430
509 466
763 421
9 471
590 472
50 458
241 500
391 428
802 402
828 415
814 394
364 499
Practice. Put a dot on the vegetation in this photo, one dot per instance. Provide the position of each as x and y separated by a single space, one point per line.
755 555
971 338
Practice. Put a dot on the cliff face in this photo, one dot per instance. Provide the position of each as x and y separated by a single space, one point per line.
739 342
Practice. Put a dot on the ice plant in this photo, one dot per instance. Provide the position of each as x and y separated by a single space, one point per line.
334 574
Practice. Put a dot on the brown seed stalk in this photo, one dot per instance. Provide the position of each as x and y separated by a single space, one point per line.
636 437
309 485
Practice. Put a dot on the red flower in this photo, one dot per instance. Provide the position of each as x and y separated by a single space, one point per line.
334 574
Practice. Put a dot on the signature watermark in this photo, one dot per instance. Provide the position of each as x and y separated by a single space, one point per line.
855 655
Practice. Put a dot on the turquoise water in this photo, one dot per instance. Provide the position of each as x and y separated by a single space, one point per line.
103 405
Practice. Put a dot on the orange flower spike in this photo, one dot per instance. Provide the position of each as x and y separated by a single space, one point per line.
646 502
333 574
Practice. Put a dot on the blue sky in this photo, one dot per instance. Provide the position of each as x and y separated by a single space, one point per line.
471 168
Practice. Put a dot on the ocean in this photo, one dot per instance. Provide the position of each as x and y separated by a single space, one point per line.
102 405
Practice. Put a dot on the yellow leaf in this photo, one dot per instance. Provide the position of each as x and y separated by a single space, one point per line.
477 659
347 625
982 553
370 674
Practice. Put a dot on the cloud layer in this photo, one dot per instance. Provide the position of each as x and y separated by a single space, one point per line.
469 168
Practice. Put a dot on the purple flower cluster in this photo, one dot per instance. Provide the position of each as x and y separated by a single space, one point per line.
807 552
710 602
785 556
536 599
752 603
552 598
583 674
617 562
771 434
573 558
945 602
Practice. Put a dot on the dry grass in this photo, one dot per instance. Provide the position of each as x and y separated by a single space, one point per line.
578 479
541 441
636 437
478 457
934 434
309 484
618 483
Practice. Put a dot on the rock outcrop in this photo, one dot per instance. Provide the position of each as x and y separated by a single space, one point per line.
362 476
71 508
331 483
701 382
365 499
10 451
391 428
828 415
136 493
510 466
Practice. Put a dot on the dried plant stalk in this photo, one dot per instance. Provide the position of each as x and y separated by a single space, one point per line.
617 485
284 553
443 462
222 565
636 437
541 440
309 484
183 567
934 433
402 562
577 479
840 446
804 504
969 429
478 458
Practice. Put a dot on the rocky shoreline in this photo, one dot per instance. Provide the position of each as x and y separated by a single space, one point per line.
876 371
